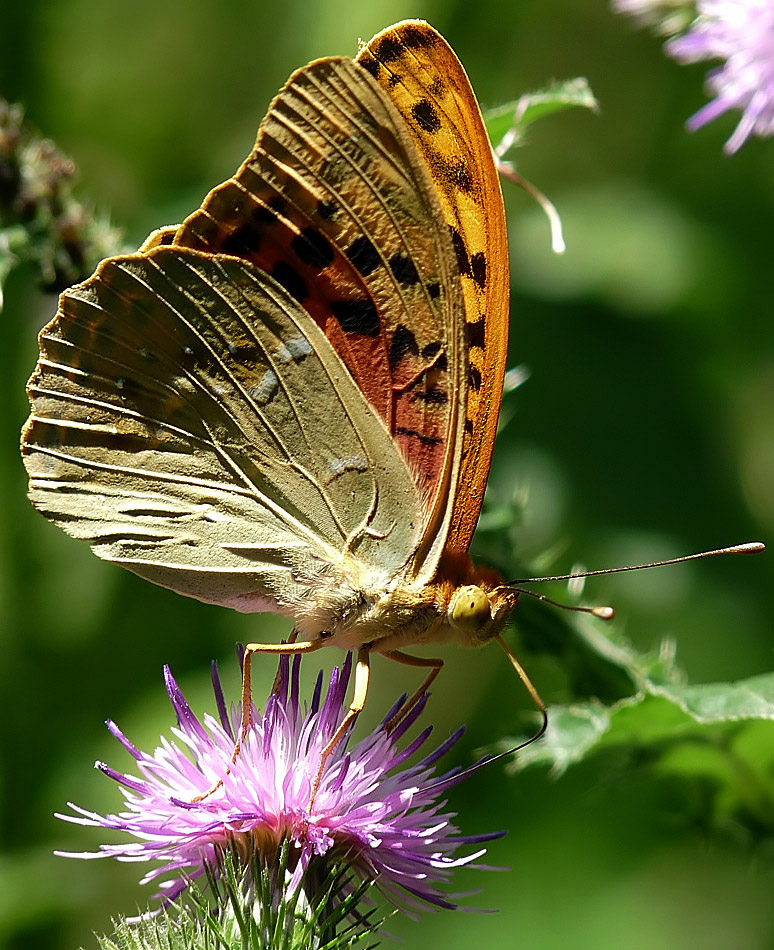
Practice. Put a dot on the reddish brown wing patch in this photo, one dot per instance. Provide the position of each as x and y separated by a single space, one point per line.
428 85
336 205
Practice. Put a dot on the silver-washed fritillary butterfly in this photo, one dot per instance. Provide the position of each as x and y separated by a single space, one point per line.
289 402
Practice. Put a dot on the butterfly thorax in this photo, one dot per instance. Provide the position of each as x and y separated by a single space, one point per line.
464 603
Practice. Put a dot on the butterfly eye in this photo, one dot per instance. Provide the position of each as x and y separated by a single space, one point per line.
470 609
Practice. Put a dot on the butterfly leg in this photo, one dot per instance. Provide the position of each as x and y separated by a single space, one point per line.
291 648
295 646
362 676
407 659
292 638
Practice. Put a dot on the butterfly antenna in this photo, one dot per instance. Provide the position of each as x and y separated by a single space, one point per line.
534 695
603 613
750 547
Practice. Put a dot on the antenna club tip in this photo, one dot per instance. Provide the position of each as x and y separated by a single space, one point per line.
604 613
752 547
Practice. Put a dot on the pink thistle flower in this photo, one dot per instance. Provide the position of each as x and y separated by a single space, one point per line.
739 32
386 823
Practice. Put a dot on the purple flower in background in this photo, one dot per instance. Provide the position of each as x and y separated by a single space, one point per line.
741 33
386 823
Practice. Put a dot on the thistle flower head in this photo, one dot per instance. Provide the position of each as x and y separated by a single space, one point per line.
741 34
384 819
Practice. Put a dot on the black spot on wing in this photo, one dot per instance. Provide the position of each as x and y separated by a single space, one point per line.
425 116
476 335
312 248
434 290
278 204
291 280
424 439
372 66
417 37
478 266
404 270
388 49
246 239
265 215
431 349
364 255
357 316
434 397
475 378
327 210
403 343
461 176
463 261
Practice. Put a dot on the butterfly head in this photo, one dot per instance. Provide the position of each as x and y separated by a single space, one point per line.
479 613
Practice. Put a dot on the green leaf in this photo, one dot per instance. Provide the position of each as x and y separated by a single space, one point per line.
657 714
513 118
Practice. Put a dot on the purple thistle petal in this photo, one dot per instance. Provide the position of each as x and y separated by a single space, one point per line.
389 822
338 779
185 717
115 731
442 749
412 747
135 784
183 803
411 717
740 33
479 839
431 896
220 700
317 692
284 677
334 699
295 688
394 709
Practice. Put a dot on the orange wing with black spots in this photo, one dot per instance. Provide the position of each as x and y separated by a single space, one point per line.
336 204
428 85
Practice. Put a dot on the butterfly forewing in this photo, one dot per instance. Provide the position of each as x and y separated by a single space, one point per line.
192 422
337 204
428 85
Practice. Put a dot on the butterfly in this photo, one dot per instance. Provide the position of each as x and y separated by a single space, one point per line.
289 401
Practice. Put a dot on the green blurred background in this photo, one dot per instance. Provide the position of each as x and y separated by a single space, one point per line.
646 429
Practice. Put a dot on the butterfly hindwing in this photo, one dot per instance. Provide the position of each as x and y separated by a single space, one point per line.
192 422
